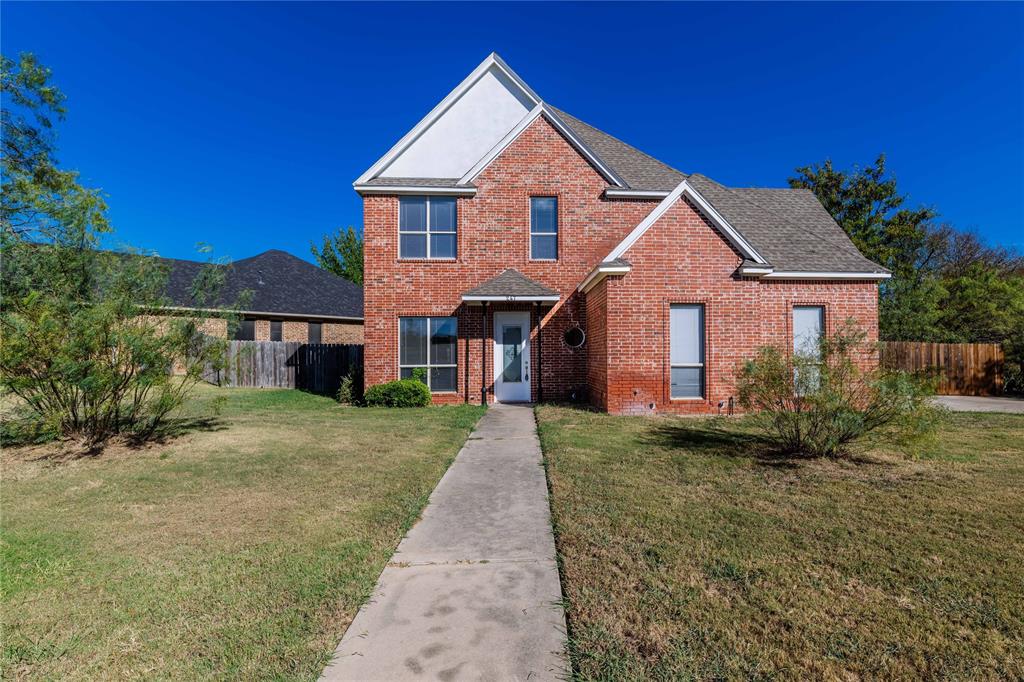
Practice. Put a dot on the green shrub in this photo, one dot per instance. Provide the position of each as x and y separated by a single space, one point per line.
350 392
401 393
821 405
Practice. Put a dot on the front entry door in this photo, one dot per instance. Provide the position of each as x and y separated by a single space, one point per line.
512 357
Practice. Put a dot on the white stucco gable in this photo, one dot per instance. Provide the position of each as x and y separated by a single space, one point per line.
468 123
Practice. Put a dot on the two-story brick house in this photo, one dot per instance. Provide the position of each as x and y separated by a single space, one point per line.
516 253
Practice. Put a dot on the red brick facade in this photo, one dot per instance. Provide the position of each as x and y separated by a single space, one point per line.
623 366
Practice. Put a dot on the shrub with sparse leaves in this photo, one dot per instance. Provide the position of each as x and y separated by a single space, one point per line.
823 404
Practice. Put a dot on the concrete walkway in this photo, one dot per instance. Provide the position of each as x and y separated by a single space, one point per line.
970 403
472 592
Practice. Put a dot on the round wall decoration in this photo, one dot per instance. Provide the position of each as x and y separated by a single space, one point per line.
574 337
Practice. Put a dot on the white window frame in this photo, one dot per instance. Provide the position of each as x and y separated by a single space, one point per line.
429 365
702 332
554 234
428 198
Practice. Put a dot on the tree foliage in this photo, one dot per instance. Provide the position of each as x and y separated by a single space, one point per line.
80 348
948 285
341 254
820 404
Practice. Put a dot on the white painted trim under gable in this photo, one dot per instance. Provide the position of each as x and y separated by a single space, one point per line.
492 60
543 110
513 299
600 272
683 188
415 189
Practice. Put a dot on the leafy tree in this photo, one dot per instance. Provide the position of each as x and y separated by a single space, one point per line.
341 254
80 347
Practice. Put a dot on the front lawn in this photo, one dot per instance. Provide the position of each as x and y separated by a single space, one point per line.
685 557
239 549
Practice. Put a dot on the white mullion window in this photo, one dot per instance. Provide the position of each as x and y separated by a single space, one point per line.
544 228
808 331
427 227
686 353
430 344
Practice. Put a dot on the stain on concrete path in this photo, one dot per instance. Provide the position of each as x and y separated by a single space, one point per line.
472 593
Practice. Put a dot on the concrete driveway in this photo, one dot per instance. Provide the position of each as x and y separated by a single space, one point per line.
971 403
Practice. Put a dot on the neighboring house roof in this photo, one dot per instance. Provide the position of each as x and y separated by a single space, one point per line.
510 284
784 231
280 283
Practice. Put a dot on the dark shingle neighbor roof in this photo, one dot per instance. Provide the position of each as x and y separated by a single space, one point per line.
510 283
639 170
788 227
280 283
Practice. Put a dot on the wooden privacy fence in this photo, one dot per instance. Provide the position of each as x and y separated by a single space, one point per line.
314 367
961 368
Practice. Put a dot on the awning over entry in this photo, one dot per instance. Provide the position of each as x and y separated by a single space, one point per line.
511 285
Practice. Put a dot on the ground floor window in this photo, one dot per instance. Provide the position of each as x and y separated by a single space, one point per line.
315 332
686 336
808 329
429 344
246 331
275 330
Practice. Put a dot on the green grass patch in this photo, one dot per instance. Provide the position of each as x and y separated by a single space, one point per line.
685 556
240 547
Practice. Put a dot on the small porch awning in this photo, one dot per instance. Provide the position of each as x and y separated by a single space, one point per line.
513 286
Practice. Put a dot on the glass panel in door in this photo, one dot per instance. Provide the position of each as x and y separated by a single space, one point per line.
512 359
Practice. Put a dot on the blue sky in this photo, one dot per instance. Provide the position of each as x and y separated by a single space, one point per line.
244 125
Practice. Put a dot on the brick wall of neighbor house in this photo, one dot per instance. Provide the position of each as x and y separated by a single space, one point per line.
262 330
295 330
342 332
493 234
682 259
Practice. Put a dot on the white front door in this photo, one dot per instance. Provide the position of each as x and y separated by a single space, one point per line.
512 357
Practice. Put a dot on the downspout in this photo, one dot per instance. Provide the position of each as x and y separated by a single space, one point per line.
540 354
483 354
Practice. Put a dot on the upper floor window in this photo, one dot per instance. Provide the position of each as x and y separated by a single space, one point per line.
544 228
426 227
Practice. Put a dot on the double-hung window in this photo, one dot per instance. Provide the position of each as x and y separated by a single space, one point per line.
429 344
427 227
686 336
544 228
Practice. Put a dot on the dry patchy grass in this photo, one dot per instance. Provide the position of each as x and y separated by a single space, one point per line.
240 547
685 557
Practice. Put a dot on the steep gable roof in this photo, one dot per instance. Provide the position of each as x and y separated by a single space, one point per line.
280 284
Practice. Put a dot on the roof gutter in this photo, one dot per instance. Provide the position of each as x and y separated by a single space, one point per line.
414 189
261 313
792 274
616 193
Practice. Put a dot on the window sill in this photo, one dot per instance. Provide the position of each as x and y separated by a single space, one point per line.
543 260
688 400
426 260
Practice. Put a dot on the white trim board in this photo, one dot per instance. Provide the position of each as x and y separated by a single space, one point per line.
684 189
513 299
414 189
780 274
492 60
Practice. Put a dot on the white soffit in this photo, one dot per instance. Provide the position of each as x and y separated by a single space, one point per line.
468 123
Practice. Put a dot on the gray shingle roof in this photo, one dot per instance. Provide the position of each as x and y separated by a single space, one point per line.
280 283
510 283
639 170
416 182
789 227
